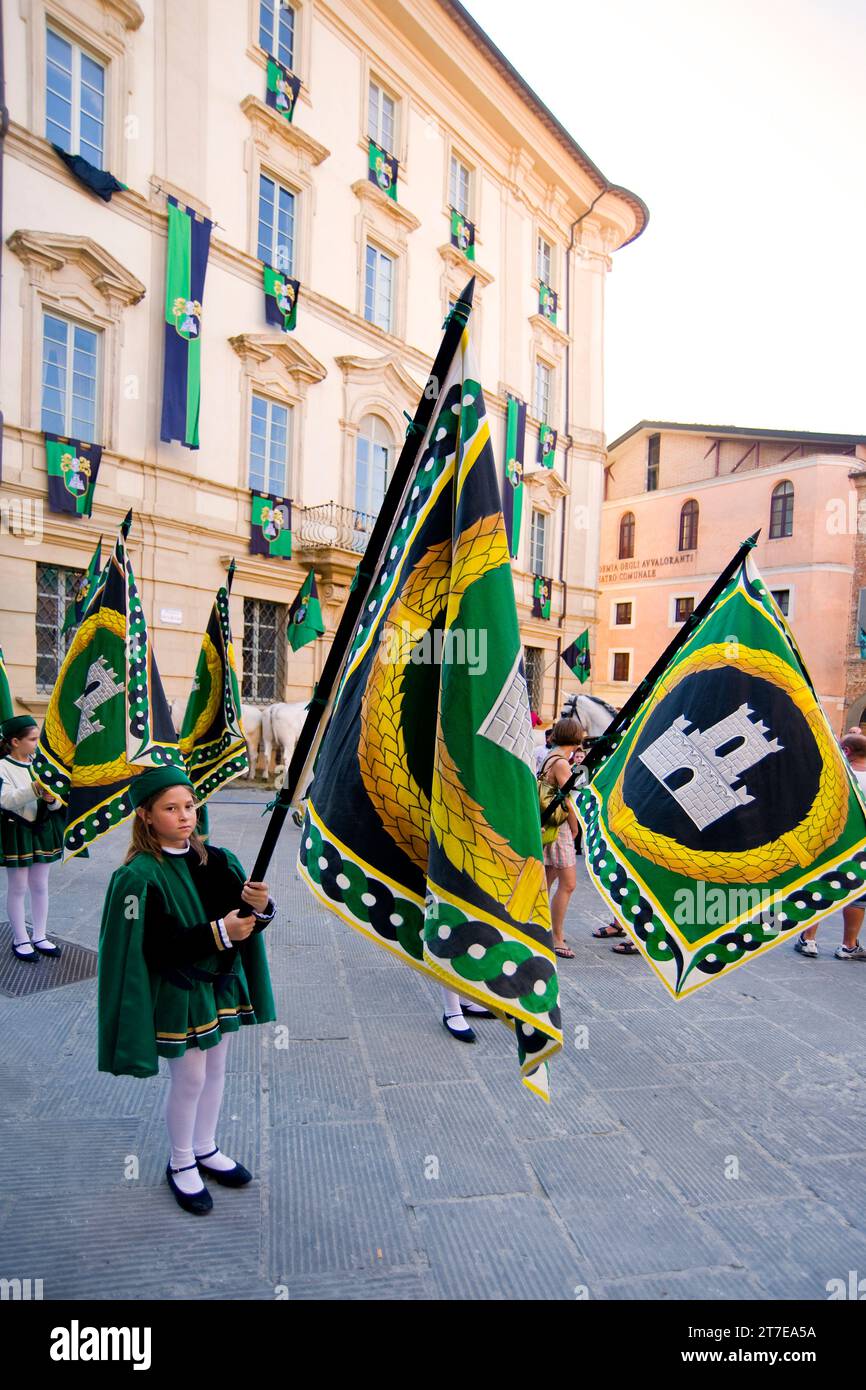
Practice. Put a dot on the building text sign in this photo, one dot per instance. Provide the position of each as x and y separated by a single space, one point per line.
644 569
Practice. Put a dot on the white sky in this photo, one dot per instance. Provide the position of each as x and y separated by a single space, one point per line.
742 125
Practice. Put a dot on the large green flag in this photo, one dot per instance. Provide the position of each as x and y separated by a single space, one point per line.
725 818
188 246
212 737
305 615
7 707
576 657
422 825
86 590
107 718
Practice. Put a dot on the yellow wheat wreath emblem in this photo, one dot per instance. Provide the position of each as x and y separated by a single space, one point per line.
95 774
819 828
458 821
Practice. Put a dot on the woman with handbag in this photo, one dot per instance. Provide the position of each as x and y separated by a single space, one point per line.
560 857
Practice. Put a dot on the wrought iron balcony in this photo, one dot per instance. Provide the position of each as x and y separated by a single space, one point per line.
331 527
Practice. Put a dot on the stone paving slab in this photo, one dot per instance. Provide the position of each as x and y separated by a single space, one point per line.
793 1248
315 1081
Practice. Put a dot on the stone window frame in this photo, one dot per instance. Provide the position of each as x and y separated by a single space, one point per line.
106 29
623 627
303 42
373 70
96 293
279 369
612 654
672 608
372 386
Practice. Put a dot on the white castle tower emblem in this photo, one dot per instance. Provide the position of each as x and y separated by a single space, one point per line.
709 793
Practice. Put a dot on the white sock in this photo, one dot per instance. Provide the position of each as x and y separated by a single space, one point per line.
454 1012
469 1006
37 882
208 1108
16 887
186 1079
218 1161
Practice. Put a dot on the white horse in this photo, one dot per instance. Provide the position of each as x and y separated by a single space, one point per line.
594 714
251 716
287 720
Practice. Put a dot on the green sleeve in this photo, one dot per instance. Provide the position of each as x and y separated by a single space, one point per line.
126 1036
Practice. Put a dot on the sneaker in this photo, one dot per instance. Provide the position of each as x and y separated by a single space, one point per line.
854 952
805 946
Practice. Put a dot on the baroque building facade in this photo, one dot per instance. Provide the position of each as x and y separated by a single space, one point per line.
171 98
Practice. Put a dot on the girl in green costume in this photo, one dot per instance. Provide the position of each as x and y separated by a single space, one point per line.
31 836
179 970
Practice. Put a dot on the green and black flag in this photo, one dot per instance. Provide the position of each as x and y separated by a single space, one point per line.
422 827
725 818
382 170
97 181
212 737
542 587
463 234
546 446
281 299
107 719
72 466
7 707
305 615
282 89
85 590
576 657
512 489
188 246
271 525
547 302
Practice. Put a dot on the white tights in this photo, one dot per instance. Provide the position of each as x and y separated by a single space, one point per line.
34 877
195 1093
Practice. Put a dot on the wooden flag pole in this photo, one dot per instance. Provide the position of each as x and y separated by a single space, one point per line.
455 323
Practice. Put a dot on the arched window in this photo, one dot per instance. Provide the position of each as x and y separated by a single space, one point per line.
374 456
689 525
626 536
782 511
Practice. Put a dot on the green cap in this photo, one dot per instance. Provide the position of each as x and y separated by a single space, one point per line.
17 725
147 784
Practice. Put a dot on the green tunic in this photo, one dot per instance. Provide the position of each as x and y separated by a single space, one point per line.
144 1015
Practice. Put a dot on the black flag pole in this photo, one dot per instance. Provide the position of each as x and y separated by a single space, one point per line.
601 746
455 323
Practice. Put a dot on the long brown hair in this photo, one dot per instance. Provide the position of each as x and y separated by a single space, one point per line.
145 841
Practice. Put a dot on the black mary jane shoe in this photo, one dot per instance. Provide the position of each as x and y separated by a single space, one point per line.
28 956
475 1011
47 950
238 1176
199 1203
461 1034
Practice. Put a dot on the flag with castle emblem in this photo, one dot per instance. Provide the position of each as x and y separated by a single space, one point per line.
72 466
188 246
107 718
725 818
212 736
422 827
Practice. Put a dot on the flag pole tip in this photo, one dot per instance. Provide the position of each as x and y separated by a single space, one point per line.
468 292
126 523
753 539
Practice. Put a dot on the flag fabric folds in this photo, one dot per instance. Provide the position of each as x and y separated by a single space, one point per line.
271 525
72 466
97 181
305 615
382 170
282 89
546 446
107 718
212 737
547 302
512 490
188 246
463 234
725 818
7 706
281 299
85 590
576 657
542 588
422 827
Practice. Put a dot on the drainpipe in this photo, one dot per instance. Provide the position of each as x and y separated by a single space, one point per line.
568 250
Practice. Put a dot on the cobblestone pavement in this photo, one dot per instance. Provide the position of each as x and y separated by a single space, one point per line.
712 1148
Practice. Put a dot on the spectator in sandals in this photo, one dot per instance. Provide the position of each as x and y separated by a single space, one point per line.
560 857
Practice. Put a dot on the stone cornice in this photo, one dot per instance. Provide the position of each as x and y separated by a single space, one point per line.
546 488
543 327
295 360
130 14
365 191
267 125
51 251
454 257
388 368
